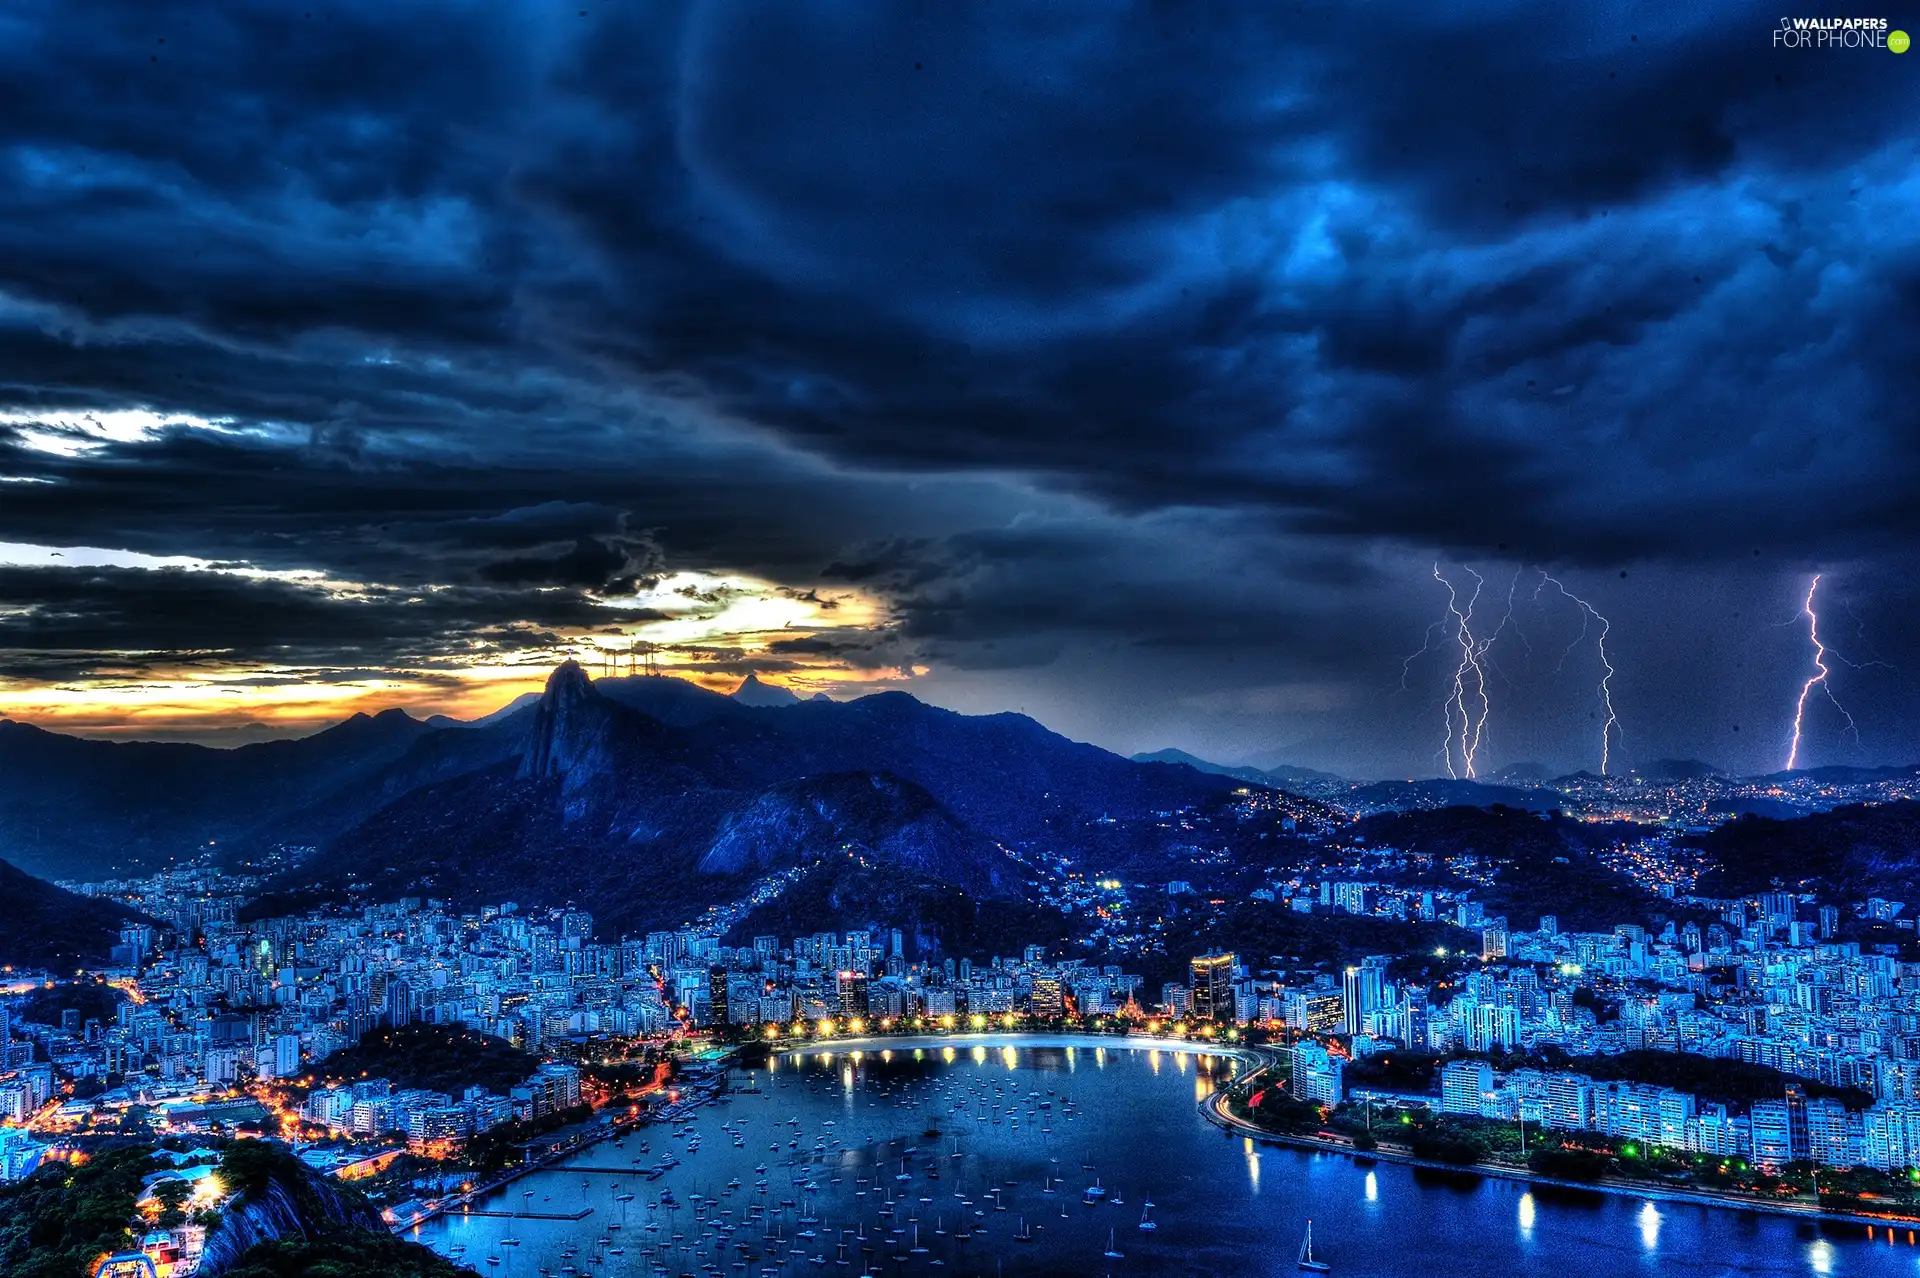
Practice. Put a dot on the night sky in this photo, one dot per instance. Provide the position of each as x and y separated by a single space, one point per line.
1134 367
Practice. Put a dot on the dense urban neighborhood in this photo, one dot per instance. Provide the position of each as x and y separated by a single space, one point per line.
414 1050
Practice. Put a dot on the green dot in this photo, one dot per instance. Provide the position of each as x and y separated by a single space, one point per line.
1897 41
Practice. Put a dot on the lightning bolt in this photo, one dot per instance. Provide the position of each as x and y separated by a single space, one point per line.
1507 623
1819 679
1426 646
1610 724
1469 696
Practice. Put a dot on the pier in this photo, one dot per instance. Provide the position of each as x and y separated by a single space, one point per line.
582 1214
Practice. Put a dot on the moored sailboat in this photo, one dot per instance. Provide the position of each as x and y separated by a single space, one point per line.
1307 1262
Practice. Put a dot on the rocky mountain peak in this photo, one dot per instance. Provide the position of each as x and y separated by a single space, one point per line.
566 723
752 692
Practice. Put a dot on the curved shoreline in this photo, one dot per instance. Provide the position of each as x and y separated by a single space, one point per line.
1259 1058
1212 1109
1252 1056
1256 1059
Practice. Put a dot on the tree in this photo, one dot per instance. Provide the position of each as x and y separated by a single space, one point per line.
172 1196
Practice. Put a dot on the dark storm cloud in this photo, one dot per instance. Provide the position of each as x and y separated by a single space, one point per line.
519 296
603 565
1148 257
61 622
419 519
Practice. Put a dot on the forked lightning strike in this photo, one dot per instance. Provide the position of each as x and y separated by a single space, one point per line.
1467 705
1819 679
1469 696
1610 724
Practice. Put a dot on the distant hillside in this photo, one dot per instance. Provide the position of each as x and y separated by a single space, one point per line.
1278 776
1541 865
848 893
1849 853
77 808
1439 793
1282 773
643 799
1676 770
46 927
1256 775
1842 774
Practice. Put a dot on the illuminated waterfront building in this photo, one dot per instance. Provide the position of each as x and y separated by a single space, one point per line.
1568 1104
1464 1087
1772 1142
1318 1075
1211 986
852 988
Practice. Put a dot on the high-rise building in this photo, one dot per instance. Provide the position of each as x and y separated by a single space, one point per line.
1569 1102
1318 1075
1772 1136
399 1003
853 993
1211 985
1798 1134
1834 1137
1464 1086
1047 999
718 1004
1316 1013
1363 991
1493 1027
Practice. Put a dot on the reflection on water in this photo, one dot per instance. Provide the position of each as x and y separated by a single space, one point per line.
1650 1227
993 1140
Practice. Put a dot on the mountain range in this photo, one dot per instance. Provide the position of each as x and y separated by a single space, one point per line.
642 798
647 799
1281 775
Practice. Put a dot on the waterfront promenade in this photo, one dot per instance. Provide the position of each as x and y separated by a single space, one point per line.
1215 1110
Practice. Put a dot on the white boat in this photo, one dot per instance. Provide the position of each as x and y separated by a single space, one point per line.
1307 1262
